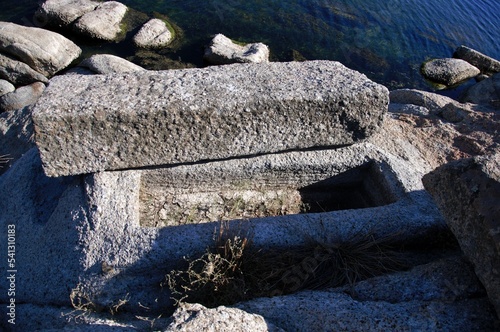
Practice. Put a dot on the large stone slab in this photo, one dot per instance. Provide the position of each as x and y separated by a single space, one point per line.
477 59
87 124
468 192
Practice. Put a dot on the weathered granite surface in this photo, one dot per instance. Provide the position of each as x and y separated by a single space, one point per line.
477 59
467 192
86 124
6 87
449 71
45 51
21 97
486 92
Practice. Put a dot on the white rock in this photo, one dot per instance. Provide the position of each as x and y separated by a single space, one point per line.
108 64
223 50
45 51
104 22
153 34
6 87
63 12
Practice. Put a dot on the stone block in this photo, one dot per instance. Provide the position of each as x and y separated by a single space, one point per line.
87 124
468 194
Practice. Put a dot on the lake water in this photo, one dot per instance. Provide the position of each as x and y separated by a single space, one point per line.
387 40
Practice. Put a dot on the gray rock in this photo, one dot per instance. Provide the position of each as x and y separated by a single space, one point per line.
16 135
21 97
223 50
408 109
45 51
477 59
18 72
61 13
466 192
216 112
109 64
104 22
332 311
153 34
486 92
195 317
449 71
6 87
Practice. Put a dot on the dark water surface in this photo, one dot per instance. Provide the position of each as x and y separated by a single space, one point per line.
387 40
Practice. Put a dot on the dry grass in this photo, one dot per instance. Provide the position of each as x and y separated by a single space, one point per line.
233 271
4 159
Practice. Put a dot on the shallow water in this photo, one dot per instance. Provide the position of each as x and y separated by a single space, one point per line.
387 40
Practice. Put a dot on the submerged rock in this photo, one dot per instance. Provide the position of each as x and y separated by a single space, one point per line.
486 92
449 71
153 34
477 59
45 51
223 50
108 64
104 22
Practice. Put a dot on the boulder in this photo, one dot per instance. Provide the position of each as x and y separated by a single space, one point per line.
486 92
449 71
195 317
45 51
477 59
18 72
408 109
223 50
108 64
153 34
6 87
467 192
61 13
21 97
139 119
104 22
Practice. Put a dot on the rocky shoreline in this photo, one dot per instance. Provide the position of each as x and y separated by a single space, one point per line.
112 174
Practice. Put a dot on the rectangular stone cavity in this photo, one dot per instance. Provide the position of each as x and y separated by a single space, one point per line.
93 123
170 203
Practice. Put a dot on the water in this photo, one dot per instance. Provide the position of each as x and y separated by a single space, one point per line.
386 40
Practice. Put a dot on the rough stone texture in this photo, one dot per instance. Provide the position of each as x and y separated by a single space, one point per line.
103 22
477 59
331 311
18 72
468 192
63 12
408 109
486 92
109 64
86 124
153 34
449 71
45 51
195 317
223 50
6 87
21 97
16 135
